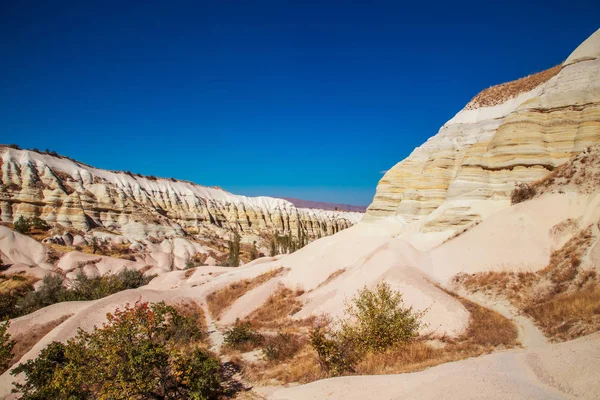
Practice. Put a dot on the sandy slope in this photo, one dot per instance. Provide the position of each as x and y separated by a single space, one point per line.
560 371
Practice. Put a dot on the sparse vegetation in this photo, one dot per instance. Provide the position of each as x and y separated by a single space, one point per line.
222 299
328 350
197 260
563 298
500 93
276 311
139 353
282 346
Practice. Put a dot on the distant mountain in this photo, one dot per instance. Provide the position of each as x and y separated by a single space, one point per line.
324 206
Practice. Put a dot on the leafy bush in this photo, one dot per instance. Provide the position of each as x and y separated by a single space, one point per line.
136 354
522 192
54 291
241 336
377 319
281 347
335 355
51 291
22 225
6 346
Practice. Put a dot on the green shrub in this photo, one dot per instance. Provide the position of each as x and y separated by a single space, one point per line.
241 336
22 225
135 355
51 291
376 319
82 288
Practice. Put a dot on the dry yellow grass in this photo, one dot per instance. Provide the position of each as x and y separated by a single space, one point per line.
568 315
563 298
500 93
486 332
331 277
303 368
276 311
15 282
222 299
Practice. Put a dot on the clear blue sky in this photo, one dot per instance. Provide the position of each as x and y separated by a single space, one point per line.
309 99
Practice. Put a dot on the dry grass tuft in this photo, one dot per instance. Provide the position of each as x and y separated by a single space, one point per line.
500 93
276 311
332 277
303 368
568 315
222 299
488 327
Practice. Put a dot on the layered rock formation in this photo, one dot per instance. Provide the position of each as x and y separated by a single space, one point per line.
515 132
72 194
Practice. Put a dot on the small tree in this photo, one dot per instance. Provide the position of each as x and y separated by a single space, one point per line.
233 258
273 243
254 252
377 319
22 225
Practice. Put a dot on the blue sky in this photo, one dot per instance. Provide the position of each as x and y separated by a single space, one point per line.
308 99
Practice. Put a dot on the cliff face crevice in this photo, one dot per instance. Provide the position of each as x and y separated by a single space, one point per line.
515 132
72 194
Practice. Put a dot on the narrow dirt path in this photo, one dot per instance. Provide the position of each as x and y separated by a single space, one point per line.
530 335
214 334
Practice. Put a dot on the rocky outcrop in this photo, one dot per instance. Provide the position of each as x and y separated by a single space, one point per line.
72 194
516 132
